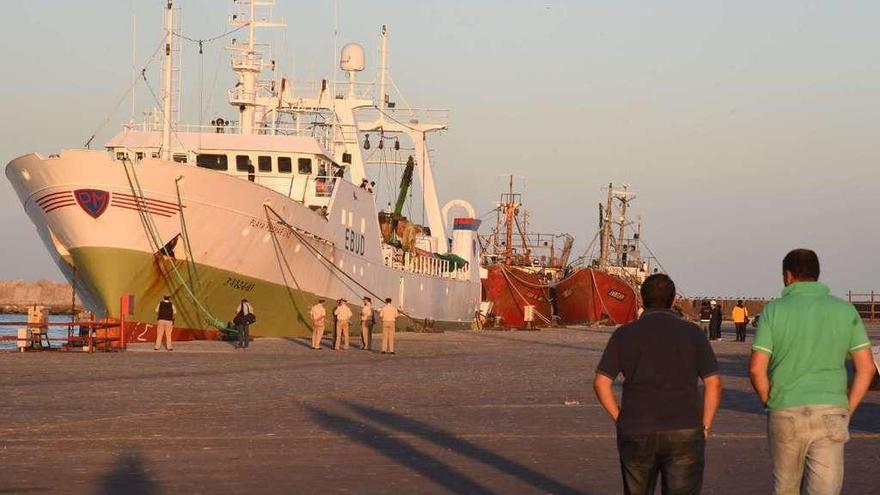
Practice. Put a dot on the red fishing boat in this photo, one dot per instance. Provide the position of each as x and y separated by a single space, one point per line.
605 287
521 267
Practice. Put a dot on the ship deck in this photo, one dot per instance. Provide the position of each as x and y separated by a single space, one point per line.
459 412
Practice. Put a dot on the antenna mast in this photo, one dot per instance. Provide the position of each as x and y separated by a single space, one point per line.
383 70
167 81
251 95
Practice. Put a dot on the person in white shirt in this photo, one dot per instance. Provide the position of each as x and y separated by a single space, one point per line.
366 323
319 316
343 320
389 314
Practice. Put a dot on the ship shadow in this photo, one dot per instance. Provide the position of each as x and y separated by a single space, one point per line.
400 452
128 476
448 441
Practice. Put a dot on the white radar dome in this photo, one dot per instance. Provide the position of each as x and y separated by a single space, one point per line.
352 58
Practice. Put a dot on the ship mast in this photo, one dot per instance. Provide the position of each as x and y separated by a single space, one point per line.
250 93
167 81
509 217
624 200
606 230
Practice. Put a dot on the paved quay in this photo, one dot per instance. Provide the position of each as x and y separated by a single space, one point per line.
460 412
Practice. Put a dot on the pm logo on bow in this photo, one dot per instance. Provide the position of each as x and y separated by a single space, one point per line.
93 201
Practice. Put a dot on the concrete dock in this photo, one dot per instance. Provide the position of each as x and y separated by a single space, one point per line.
460 412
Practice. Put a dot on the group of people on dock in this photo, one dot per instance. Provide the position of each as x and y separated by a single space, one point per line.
342 322
797 369
710 319
342 314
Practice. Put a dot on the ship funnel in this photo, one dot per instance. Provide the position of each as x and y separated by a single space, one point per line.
463 242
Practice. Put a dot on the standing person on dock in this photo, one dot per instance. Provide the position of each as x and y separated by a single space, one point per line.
318 315
343 321
663 425
715 321
705 318
798 370
388 313
165 312
740 317
366 323
243 320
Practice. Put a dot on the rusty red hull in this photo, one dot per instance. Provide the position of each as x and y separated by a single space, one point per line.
588 296
511 289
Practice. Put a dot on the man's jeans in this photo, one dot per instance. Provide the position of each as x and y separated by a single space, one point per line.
676 454
244 335
806 445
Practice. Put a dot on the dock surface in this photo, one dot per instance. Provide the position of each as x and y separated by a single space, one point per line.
460 412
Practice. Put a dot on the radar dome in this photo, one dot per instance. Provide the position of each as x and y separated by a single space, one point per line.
352 58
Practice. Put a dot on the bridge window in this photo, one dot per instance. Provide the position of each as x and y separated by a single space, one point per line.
284 164
121 155
179 157
242 162
304 166
264 163
213 162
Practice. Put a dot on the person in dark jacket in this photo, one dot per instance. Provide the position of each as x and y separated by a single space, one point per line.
164 323
715 321
705 318
243 319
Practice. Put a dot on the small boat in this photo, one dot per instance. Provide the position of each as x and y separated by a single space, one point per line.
521 267
606 287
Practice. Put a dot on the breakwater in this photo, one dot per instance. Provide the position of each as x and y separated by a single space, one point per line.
17 295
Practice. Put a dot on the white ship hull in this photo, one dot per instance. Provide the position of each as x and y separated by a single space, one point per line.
237 247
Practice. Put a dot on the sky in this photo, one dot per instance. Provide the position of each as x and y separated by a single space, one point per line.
747 128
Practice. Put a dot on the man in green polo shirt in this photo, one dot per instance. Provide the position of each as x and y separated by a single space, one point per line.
798 371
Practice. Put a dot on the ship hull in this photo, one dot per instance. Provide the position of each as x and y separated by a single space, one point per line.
231 244
589 296
511 289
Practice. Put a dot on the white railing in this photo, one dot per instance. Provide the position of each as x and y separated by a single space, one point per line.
232 128
421 264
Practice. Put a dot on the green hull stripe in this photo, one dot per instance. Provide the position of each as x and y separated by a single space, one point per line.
109 273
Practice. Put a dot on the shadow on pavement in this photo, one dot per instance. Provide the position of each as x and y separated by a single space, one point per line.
738 400
400 452
300 341
490 334
462 447
128 476
732 365
866 418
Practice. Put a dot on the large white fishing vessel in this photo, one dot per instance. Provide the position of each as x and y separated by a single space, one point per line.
277 207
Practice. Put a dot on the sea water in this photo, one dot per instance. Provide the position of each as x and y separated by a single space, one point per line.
54 332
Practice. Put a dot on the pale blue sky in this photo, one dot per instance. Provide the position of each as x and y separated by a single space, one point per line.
746 127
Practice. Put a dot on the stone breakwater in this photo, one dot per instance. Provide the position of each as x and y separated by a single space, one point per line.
17 295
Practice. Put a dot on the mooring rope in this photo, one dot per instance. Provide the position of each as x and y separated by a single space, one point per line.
155 239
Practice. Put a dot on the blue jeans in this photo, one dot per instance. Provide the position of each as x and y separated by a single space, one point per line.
806 445
677 456
244 335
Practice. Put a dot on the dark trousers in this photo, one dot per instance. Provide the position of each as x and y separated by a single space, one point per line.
740 332
677 456
244 335
715 330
